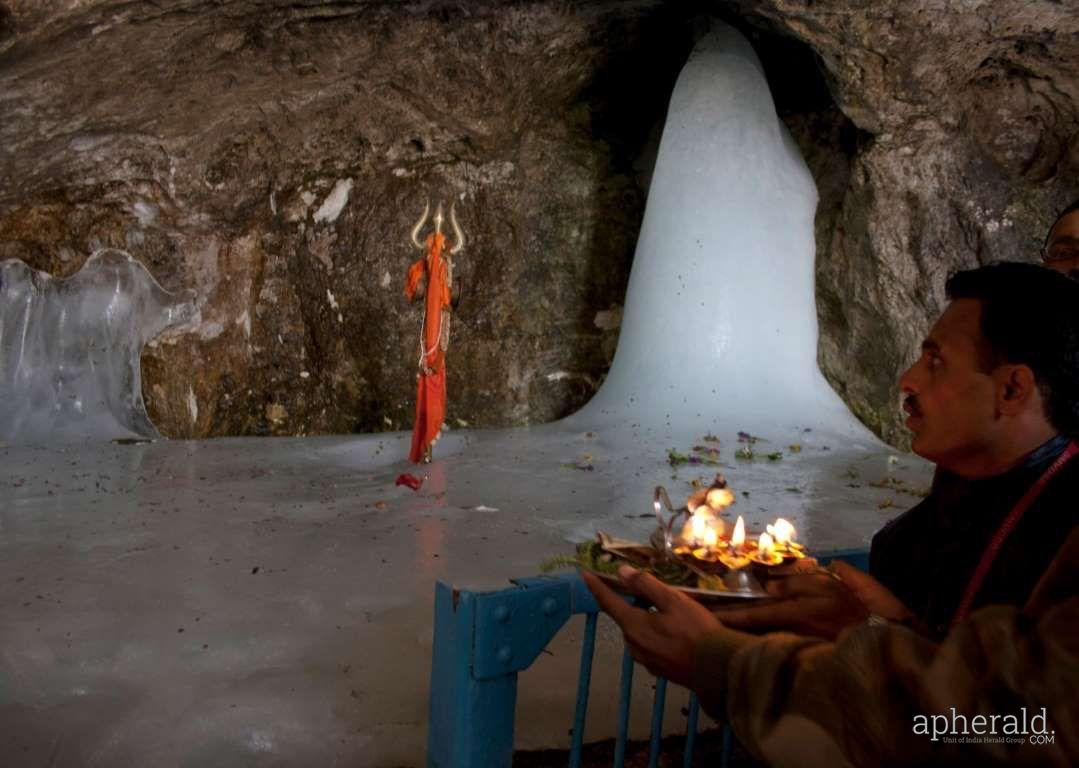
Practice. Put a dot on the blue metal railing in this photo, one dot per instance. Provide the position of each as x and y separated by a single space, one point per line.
588 649
484 639
625 695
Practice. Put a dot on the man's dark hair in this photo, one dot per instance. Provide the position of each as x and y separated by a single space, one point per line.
1070 209
1030 316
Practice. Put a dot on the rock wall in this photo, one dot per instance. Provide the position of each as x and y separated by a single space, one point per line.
965 145
273 156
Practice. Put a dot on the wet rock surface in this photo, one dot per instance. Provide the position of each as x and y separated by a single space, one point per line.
273 157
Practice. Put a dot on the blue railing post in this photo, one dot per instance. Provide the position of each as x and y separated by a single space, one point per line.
470 721
481 641
658 705
691 730
625 698
584 681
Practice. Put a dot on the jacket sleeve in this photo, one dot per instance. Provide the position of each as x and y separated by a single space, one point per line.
870 697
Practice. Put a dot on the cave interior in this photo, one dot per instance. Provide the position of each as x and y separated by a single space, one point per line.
205 211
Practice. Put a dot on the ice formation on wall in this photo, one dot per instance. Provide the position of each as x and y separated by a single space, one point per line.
720 314
70 348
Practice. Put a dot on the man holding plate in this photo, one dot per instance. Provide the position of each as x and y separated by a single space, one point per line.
972 603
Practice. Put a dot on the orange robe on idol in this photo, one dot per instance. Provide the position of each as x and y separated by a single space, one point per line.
434 339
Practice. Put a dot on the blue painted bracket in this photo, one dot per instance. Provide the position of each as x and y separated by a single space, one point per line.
482 640
513 626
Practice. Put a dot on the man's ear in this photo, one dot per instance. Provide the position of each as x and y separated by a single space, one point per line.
1017 389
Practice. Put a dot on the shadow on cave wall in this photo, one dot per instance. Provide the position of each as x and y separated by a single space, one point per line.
627 106
829 142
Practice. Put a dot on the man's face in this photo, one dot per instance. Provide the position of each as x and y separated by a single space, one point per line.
1062 249
950 398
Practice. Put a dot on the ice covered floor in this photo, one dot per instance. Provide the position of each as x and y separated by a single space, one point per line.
269 601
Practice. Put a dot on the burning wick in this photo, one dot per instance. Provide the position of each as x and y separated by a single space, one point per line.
709 539
703 528
738 538
766 552
783 535
698 524
765 545
782 531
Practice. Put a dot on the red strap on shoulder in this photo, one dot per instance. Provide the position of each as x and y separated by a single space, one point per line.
1005 530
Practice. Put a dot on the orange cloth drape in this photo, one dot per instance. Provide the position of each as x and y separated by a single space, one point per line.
431 387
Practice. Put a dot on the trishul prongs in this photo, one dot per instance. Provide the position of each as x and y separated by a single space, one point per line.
419 225
458 235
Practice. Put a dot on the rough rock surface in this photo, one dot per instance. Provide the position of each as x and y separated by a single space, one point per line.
273 156
966 145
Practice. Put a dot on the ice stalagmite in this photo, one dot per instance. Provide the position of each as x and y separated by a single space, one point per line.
720 316
69 348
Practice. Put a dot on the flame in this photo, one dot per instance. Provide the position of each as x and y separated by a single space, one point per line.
703 528
765 547
719 498
782 531
698 527
738 538
695 525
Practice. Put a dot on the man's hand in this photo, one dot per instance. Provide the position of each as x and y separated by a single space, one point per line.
818 604
874 595
664 640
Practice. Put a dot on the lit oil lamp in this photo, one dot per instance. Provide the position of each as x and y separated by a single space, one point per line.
703 540
707 550
738 538
703 525
766 552
733 555
701 535
782 533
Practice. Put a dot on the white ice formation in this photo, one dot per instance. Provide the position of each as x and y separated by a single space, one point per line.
720 314
70 348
